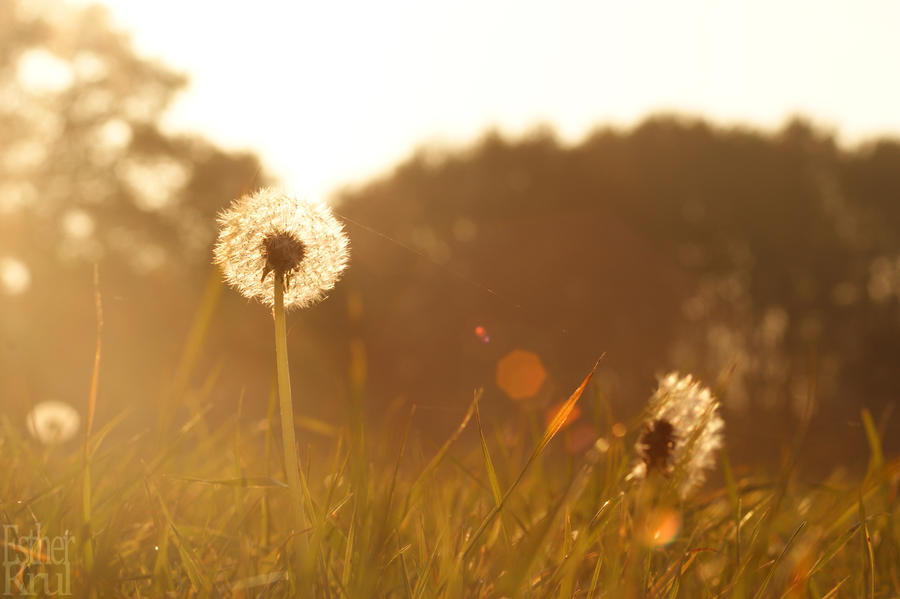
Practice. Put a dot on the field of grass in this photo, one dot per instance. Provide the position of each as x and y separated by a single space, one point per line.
488 512
193 506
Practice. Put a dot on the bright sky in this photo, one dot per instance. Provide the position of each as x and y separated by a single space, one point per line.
334 92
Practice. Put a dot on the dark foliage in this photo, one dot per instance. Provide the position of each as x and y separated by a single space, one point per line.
750 259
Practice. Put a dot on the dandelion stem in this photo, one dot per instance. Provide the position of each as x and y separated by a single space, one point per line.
287 407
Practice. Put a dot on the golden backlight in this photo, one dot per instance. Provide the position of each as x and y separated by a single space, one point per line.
335 92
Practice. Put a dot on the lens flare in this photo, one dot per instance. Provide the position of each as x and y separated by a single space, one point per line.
520 374
660 527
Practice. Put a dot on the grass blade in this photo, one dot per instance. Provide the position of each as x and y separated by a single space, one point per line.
833 550
762 589
595 577
348 551
251 482
423 577
549 433
488 463
439 456
559 419
867 545
834 590
876 455
189 559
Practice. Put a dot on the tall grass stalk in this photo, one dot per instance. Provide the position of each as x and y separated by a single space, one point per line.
86 499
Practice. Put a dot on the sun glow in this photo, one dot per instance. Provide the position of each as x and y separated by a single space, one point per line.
331 93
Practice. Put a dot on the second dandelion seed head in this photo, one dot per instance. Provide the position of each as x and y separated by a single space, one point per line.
656 444
681 434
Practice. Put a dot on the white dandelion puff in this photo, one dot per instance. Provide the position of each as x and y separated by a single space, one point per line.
681 433
272 233
52 422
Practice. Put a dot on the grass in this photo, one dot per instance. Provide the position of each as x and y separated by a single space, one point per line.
494 510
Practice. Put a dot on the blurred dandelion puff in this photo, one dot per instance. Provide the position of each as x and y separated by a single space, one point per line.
52 422
271 233
681 433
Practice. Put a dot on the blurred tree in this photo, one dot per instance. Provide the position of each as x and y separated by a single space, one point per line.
87 175
726 252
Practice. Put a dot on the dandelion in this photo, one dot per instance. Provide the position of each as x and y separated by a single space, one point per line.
271 234
52 422
681 433
287 253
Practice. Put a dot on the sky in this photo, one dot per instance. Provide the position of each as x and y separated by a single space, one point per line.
333 93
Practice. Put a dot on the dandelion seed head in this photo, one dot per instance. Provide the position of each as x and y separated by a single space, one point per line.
656 444
283 253
272 233
52 422
681 434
